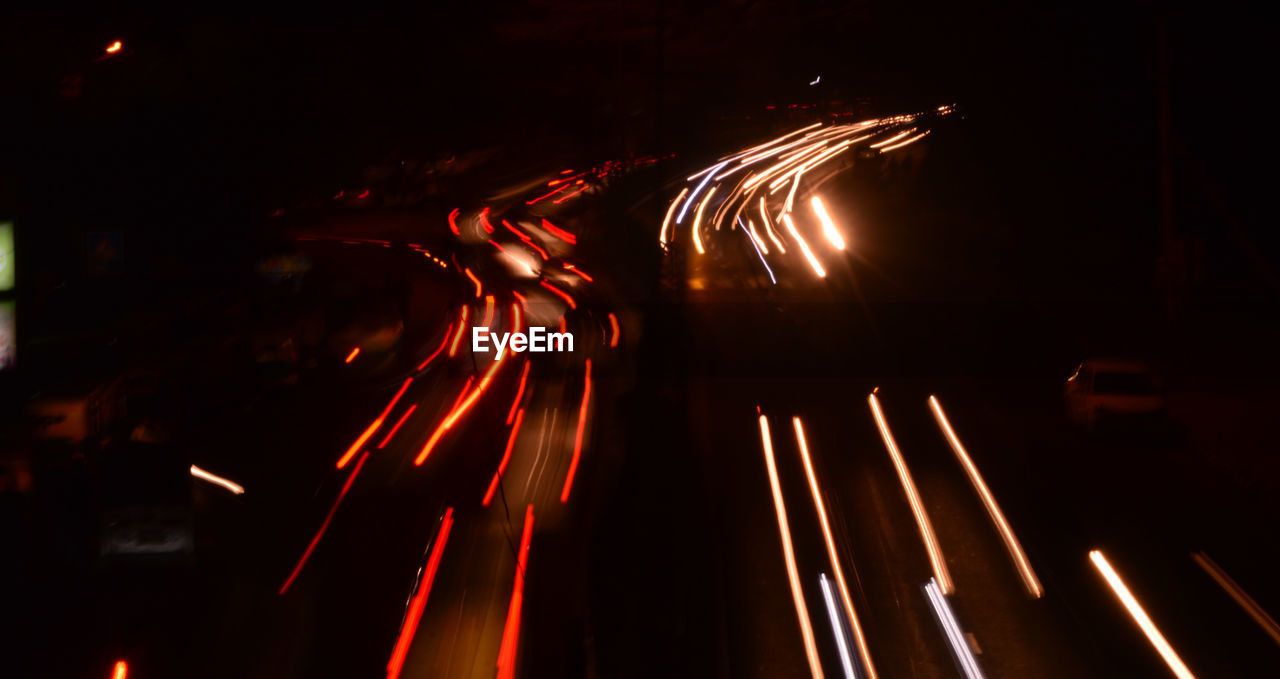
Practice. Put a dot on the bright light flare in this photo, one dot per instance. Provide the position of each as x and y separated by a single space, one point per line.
804 247
121 669
951 627
931 545
1139 615
1011 544
863 650
829 230
112 49
797 593
216 480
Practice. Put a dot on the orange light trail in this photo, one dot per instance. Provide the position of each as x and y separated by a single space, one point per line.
936 559
559 232
396 428
458 410
472 276
311 547
1241 597
488 311
768 227
462 327
419 602
804 248
511 632
352 356
112 49
671 210
577 439
1020 560
516 325
373 426
1139 615
697 221
560 293
453 221
230 485
121 669
524 375
586 277
829 230
797 594
613 326
506 457
444 341
863 650
519 297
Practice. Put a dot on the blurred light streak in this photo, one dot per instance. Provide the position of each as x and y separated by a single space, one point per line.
755 236
396 427
352 356
526 239
696 191
444 341
1139 615
506 457
565 197
829 230
768 226
1020 561
666 221
112 49
511 631
515 318
230 485
797 593
955 636
418 604
560 293
1237 593
311 547
462 327
615 331
559 232
472 276
373 426
547 195
842 644
892 139
863 650
484 220
904 142
577 438
585 276
804 247
936 558
756 246
488 311
524 376
459 409
520 298
697 221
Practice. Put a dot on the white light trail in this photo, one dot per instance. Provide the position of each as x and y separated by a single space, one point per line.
804 247
846 661
217 480
1140 616
955 636
829 230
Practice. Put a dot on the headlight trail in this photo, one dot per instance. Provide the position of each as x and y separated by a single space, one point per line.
511 631
911 140
892 139
951 628
788 554
1241 597
755 236
696 191
666 221
697 222
216 480
751 239
418 604
768 227
315 540
506 457
829 230
864 652
1011 544
936 559
577 438
804 247
1140 616
846 661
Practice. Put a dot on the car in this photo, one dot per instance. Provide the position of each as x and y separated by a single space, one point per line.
1110 390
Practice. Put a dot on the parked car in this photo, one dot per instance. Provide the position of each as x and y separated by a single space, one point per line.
1110 390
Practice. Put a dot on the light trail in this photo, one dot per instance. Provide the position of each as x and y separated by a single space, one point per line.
516 326
311 547
697 222
506 457
559 232
560 293
892 139
418 604
444 341
515 403
804 247
829 230
1241 597
472 276
696 191
842 644
936 559
797 593
488 311
453 221
1139 615
352 356
577 438
408 411
484 220
373 426
756 246
864 651
462 327
615 331
904 142
216 480
951 628
1011 543
459 410
666 221
120 670
584 275
511 631
768 227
